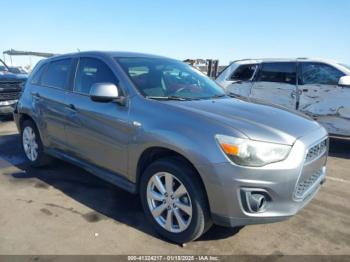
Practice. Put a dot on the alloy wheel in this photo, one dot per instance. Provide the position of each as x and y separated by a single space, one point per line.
30 144
169 202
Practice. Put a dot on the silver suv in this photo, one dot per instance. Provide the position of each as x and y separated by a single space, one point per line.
160 128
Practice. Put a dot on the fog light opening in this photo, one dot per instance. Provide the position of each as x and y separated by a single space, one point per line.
256 202
261 203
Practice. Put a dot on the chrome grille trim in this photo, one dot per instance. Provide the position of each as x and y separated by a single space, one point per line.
9 96
316 151
313 171
10 85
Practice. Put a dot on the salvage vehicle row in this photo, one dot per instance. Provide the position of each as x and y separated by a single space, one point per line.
317 87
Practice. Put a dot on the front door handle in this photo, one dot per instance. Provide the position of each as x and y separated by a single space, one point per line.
35 94
296 93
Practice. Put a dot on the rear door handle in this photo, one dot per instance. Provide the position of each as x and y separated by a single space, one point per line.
71 106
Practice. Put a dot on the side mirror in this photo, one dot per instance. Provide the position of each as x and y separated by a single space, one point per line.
106 92
344 81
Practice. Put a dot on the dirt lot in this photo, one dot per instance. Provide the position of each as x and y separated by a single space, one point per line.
65 210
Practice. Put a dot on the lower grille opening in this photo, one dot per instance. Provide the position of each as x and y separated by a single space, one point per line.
304 185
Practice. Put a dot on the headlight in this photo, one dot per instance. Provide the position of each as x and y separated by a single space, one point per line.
246 152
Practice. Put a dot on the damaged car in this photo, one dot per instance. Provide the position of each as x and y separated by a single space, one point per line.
11 85
319 88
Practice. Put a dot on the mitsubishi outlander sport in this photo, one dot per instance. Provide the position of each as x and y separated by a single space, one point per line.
158 127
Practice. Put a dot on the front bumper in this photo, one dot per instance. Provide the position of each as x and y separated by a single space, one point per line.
226 185
7 107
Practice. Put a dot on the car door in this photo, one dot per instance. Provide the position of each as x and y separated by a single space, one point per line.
276 82
97 132
323 99
49 98
240 81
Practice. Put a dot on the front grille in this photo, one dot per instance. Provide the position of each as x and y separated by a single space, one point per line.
316 151
10 90
16 85
305 184
9 96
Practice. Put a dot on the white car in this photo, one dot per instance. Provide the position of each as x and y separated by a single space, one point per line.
316 87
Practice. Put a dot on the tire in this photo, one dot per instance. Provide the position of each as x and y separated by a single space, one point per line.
181 173
32 145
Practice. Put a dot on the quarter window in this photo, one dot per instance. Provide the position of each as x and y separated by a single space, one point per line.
91 71
278 72
321 74
57 73
244 73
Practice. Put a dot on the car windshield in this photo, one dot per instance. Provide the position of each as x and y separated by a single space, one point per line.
162 78
14 70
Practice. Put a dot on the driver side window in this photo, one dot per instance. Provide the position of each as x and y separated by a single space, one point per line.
244 72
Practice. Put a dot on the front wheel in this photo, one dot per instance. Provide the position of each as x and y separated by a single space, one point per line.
174 200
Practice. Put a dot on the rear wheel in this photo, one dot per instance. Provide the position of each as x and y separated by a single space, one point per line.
174 200
32 145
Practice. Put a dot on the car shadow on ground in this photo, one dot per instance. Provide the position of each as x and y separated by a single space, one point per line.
6 118
339 147
107 200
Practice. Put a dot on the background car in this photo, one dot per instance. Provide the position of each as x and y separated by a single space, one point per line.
17 70
10 88
318 88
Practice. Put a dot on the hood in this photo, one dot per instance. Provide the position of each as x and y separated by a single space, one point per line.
7 76
257 120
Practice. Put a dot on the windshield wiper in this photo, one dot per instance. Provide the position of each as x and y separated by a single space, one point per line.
178 98
234 95
218 96
244 98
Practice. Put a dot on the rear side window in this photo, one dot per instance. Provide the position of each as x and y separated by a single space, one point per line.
91 71
278 72
321 74
57 74
37 75
244 72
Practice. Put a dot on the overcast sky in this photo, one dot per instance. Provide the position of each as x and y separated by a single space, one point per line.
226 30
